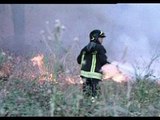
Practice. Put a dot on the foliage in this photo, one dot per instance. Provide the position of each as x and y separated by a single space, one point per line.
20 96
60 57
31 98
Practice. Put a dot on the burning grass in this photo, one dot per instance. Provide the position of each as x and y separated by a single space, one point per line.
50 85
32 89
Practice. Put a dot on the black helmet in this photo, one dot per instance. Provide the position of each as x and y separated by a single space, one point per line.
95 34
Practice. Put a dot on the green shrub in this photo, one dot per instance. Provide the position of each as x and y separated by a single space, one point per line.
31 98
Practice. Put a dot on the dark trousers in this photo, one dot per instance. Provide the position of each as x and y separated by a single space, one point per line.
91 87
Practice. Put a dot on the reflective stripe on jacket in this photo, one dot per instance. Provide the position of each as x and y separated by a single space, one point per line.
91 73
92 57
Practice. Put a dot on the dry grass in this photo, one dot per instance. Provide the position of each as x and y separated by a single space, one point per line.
22 93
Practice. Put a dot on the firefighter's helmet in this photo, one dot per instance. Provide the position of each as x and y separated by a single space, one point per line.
95 34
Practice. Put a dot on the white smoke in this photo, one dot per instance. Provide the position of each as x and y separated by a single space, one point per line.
131 29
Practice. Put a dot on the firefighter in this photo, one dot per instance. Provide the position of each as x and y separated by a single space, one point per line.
91 58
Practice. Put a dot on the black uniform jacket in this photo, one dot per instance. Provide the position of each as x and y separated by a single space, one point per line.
88 51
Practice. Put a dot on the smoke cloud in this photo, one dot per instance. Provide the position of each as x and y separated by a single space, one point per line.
131 29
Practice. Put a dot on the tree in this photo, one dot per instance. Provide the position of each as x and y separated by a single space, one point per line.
18 18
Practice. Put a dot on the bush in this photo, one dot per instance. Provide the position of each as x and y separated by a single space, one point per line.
31 98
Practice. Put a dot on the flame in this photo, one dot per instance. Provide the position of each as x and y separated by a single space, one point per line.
38 60
6 70
72 80
112 72
44 74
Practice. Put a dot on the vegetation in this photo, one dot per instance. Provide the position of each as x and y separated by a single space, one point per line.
30 98
23 95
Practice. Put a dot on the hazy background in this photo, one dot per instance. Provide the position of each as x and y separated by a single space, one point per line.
132 30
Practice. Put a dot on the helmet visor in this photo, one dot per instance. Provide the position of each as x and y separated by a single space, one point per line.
102 35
